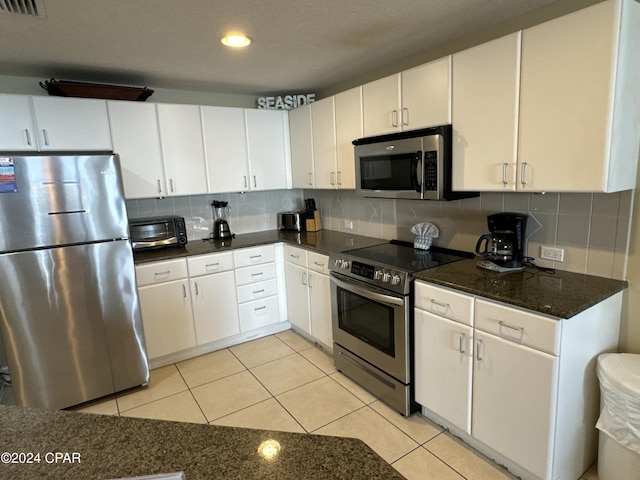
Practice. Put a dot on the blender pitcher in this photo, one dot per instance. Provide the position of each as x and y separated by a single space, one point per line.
221 212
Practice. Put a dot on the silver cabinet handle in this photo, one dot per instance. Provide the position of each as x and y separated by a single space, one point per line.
45 135
310 178
255 292
523 170
444 306
171 185
310 278
479 352
293 255
195 284
504 174
462 342
259 308
245 181
159 187
318 264
394 118
184 291
332 179
405 116
28 135
255 258
161 274
211 266
339 179
304 278
259 274
255 183
520 330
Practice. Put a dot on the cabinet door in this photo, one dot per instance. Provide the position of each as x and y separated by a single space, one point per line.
167 318
324 143
136 138
349 127
215 308
268 140
443 366
225 141
514 401
17 132
301 147
182 149
320 308
565 100
426 95
75 124
485 92
381 106
296 281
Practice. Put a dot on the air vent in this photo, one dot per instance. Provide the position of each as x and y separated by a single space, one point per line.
30 8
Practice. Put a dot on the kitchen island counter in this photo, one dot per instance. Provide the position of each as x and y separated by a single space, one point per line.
322 241
556 293
106 447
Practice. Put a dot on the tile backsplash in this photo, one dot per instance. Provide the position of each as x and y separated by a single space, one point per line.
593 229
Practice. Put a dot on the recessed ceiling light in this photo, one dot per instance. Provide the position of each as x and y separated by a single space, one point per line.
236 40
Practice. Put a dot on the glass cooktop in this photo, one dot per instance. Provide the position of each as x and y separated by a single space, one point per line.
401 255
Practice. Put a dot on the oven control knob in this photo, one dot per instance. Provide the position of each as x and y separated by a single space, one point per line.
386 277
395 279
377 275
345 264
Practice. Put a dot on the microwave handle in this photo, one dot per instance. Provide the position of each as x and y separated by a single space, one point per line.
417 170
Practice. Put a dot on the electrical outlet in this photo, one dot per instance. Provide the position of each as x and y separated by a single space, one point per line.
348 224
551 253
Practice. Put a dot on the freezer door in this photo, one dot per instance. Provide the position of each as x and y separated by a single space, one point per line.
67 315
60 200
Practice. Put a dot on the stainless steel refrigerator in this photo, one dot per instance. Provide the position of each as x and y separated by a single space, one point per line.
69 313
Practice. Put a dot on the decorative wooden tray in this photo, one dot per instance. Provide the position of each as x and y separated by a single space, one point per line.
64 88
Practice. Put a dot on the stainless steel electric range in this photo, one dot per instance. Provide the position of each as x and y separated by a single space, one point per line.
372 315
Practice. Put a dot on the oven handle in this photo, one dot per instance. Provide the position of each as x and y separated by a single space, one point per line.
367 293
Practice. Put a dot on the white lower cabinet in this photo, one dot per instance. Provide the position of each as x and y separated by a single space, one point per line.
165 303
517 385
308 293
215 308
256 274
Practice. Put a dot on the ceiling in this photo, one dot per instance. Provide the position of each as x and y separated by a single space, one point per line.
300 46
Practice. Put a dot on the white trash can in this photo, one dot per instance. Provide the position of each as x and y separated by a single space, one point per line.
619 422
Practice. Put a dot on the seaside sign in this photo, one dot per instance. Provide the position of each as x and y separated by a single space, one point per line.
285 102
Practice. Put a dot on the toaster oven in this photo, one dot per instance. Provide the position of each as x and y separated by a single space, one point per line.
158 232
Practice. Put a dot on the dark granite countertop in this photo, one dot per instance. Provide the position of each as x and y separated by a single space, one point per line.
104 447
323 241
560 294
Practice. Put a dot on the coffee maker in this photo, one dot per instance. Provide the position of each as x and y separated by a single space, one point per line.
221 212
503 248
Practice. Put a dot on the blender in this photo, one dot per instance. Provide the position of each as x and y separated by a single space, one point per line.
221 212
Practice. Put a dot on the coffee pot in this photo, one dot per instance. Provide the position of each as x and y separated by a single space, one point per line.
221 213
503 248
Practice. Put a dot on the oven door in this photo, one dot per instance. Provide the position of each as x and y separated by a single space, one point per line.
373 324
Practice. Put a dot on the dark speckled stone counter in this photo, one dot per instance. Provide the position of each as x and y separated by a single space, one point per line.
114 447
560 294
323 241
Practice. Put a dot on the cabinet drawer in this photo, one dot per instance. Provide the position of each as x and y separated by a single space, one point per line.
253 256
257 273
206 264
158 272
319 263
537 331
444 302
256 291
259 313
295 255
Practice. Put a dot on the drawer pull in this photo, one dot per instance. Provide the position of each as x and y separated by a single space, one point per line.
318 264
255 258
255 292
462 342
520 330
256 275
439 304
293 255
212 265
257 309
162 274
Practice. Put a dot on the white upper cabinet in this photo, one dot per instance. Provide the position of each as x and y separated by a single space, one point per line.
225 140
182 148
268 149
485 100
348 108
301 147
324 143
136 138
71 124
17 131
416 98
579 101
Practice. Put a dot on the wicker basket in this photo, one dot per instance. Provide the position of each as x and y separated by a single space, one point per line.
63 88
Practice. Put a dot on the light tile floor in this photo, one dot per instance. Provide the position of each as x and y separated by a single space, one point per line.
283 382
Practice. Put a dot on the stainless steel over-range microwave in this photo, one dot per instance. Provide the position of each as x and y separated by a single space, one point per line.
413 165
